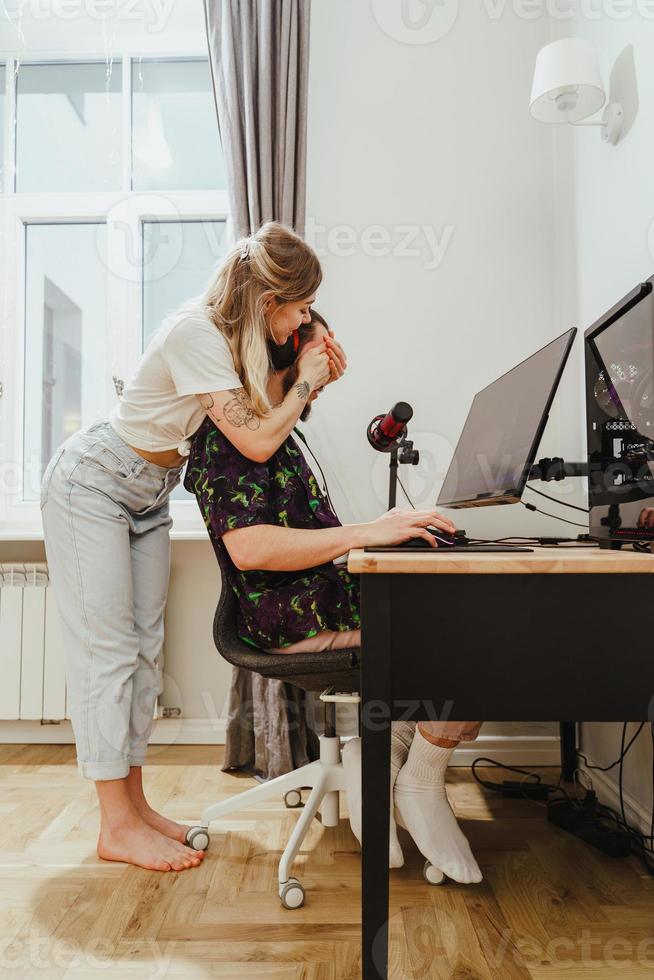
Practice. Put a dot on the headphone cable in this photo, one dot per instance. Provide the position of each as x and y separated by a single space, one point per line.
324 479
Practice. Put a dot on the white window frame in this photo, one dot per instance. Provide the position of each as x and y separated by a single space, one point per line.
126 210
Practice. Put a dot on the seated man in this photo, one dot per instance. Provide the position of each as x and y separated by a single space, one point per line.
276 536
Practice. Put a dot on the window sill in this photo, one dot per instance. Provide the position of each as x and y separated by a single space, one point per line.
36 534
185 527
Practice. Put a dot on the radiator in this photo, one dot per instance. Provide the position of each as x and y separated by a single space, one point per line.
32 673
32 665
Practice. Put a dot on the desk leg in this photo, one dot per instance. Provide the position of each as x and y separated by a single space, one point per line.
568 738
376 750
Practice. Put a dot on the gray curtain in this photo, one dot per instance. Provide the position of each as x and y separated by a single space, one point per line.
259 55
267 730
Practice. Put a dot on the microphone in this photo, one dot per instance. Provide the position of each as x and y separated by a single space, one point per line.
386 430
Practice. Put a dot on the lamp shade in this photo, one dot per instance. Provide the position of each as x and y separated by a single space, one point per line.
567 83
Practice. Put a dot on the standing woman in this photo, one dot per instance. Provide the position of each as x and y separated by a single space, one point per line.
105 510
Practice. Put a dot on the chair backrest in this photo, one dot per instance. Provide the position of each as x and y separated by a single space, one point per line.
310 671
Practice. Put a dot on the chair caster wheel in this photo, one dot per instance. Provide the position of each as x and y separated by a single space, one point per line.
197 838
293 799
432 875
292 894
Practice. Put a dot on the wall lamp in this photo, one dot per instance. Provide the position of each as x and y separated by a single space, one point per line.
567 88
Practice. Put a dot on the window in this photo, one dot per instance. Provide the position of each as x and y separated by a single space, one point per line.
68 127
179 258
176 142
65 338
114 213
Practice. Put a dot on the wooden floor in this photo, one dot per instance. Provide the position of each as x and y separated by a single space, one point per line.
549 906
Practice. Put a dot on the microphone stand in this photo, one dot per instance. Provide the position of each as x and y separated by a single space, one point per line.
402 452
399 448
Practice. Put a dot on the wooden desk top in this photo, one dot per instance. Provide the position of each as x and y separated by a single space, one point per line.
556 560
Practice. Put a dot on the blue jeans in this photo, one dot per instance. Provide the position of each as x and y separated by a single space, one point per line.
106 519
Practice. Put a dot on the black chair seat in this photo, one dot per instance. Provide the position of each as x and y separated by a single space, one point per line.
310 671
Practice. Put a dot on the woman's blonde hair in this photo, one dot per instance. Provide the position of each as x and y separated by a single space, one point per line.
273 259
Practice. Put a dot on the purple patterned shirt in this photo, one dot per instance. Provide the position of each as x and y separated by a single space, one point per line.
276 609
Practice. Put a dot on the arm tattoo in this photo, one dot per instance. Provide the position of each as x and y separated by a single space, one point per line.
209 406
239 411
303 390
207 402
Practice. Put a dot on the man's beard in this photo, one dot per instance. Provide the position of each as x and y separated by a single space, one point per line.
289 379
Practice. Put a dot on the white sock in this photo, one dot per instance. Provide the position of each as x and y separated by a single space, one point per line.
422 808
401 736
402 733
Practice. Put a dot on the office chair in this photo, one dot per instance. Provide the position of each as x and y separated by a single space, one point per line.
335 673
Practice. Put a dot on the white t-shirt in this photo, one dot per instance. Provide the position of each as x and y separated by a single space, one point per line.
186 357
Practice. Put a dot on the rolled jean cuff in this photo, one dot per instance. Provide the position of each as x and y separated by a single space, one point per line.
462 731
117 769
136 759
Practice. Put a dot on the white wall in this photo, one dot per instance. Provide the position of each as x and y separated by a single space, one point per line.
612 195
437 136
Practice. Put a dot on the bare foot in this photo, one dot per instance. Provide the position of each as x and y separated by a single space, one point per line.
138 843
170 828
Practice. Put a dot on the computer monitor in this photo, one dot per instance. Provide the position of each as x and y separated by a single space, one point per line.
500 438
620 413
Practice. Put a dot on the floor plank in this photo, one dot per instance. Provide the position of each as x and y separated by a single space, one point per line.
549 906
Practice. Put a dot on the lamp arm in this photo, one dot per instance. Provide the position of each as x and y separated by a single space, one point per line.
610 123
586 123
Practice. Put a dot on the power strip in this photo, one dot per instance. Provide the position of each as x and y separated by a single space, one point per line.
583 820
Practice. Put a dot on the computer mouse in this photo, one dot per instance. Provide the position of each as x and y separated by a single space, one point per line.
443 538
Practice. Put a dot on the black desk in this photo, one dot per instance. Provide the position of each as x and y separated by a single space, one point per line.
526 637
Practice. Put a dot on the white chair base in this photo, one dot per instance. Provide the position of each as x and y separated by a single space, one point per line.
325 777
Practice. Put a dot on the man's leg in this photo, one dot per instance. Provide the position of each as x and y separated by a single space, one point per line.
324 640
421 802
402 733
418 766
